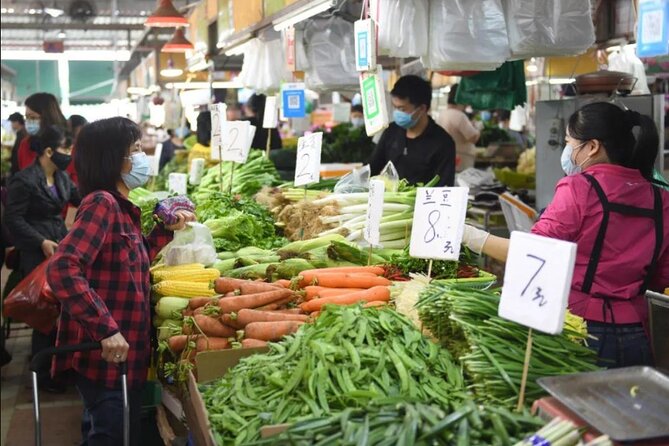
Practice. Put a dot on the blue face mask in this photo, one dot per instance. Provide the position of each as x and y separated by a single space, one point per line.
485 116
139 173
32 126
357 122
404 119
181 132
568 165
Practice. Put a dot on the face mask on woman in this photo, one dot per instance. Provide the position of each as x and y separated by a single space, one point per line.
568 165
139 173
61 160
32 126
181 132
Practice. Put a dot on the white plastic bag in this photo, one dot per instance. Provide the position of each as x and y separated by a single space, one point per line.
194 244
627 61
467 35
403 28
264 67
548 27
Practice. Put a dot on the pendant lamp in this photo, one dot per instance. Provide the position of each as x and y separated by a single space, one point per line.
166 16
178 43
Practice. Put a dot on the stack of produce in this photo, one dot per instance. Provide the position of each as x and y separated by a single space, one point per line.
561 432
146 201
492 349
350 357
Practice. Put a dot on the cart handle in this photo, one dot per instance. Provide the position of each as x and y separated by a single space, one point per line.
46 354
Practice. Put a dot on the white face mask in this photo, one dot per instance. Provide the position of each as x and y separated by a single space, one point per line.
568 165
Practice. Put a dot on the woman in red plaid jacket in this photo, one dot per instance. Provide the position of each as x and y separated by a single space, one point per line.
100 275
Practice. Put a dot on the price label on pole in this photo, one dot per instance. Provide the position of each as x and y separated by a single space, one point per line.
365 45
177 183
270 117
293 100
537 280
438 222
308 162
374 101
235 140
218 117
372 230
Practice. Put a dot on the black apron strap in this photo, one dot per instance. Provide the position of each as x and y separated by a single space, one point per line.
601 235
659 238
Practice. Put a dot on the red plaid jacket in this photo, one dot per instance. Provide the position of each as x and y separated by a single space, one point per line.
100 275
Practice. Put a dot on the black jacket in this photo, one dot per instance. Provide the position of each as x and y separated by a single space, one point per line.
33 214
260 137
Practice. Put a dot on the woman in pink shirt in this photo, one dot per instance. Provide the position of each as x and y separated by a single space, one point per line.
620 221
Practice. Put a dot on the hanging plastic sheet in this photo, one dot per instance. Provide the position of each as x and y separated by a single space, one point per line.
264 67
403 28
549 27
627 61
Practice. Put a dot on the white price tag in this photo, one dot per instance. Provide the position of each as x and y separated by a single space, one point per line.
365 44
438 222
218 117
196 171
271 116
155 159
537 280
308 162
374 101
341 112
249 139
235 140
372 231
176 183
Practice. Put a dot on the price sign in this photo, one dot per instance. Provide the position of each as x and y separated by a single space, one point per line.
154 160
372 232
438 222
653 32
270 117
365 44
218 117
177 183
293 100
341 112
374 101
537 280
235 140
290 48
196 171
308 162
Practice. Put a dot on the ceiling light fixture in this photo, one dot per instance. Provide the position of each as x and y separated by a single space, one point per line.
171 70
301 14
166 16
62 35
178 43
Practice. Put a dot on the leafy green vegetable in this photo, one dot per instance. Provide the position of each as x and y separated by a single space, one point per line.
346 144
441 269
146 201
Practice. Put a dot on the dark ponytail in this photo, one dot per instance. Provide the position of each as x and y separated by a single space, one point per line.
613 128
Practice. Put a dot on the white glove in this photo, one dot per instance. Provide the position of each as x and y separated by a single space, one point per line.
474 238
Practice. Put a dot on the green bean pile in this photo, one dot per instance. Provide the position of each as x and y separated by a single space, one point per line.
349 358
492 349
410 425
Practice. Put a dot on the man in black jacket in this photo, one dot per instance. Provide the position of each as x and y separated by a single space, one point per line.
418 147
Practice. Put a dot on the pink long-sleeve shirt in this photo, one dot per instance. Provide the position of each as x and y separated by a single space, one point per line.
575 215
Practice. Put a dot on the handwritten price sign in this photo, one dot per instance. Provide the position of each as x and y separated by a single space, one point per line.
218 116
235 140
308 163
537 280
372 231
438 222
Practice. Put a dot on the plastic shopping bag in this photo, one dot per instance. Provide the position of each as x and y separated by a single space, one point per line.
32 302
627 61
356 180
403 28
191 245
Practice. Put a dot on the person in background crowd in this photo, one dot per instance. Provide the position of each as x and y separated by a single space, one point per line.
100 276
201 148
416 145
5 356
233 112
42 111
19 128
460 128
74 125
36 198
357 116
173 143
619 221
503 121
254 109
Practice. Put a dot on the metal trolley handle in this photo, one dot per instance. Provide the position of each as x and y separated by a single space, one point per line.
46 354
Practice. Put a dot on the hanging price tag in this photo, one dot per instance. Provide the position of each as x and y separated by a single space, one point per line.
218 117
235 140
537 280
154 160
308 162
374 101
372 231
438 222
293 100
177 183
271 116
289 39
365 44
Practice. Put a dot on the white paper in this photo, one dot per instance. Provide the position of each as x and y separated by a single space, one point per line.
235 140
155 159
372 230
438 222
218 118
341 112
365 44
537 280
177 183
308 162
271 117
374 101
196 171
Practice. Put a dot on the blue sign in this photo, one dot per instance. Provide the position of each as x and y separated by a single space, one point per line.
293 101
653 32
362 49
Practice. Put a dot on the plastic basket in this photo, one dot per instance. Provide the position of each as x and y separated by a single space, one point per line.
515 180
484 281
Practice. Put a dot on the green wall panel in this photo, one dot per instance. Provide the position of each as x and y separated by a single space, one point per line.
33 76
86 74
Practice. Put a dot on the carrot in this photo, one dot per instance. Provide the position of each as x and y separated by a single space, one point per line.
375 303
230 304
246 316
224 285
231 293
376 270
315 314
228 320
212 343
271 331
329 292
337 280
257 287
312 291
196 302
283 283
377 293
178 343
187 312
210 326
290 311
252 343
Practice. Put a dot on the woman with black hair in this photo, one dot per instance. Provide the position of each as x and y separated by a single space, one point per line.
42 111
100 276
35 200
254 109
608 206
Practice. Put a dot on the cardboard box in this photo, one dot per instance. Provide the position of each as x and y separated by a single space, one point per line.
210 366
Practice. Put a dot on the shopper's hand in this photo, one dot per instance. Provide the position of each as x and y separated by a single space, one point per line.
115 348
49 248
183 217
474 238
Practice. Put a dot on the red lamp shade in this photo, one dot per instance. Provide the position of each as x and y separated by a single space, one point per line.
178 43
166 16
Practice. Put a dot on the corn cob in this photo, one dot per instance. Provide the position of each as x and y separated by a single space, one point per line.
187 266
188 275
183 288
